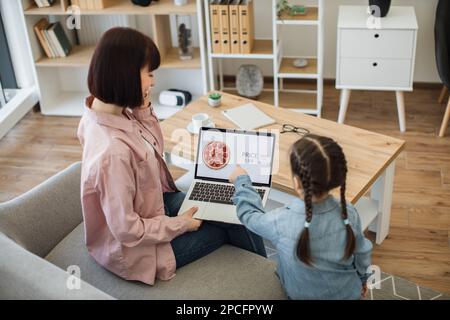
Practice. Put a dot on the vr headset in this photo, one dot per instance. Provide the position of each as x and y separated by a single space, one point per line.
175 98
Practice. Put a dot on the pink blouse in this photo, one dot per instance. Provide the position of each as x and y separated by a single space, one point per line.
122 185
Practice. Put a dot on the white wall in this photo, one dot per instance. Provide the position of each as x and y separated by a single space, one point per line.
301 40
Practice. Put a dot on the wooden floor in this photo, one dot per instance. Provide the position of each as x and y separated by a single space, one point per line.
418 246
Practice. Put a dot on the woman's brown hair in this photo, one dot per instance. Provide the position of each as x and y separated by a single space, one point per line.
320 164
115 70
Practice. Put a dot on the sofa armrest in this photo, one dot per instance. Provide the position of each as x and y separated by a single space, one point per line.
40 218
27 276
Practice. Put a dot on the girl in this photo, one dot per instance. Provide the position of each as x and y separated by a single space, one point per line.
129 199
322 251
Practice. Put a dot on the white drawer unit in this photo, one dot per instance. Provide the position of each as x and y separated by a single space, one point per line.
375 72
375 54
392 44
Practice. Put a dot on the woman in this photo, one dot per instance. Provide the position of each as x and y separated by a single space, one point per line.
130 202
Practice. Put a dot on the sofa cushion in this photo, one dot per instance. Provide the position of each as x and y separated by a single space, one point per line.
40 218
26 276
227 273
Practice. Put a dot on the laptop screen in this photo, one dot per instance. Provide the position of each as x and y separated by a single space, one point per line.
219 150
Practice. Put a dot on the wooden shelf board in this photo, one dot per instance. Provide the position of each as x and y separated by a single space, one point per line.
71 104
172 60
286 67
262 48
81 57
311 17
123 7
297 100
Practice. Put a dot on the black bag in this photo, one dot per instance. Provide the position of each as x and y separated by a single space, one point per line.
142 3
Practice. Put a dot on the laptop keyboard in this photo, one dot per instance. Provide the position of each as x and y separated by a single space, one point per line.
217 193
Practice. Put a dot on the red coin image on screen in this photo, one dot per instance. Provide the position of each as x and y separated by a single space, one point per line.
216 155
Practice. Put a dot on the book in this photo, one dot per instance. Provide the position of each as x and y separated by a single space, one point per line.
50 42
248 117
59 39
44 3
246 26
83 4
91 4
63 39
39 3
215 26
235 41
99 4
38 29
102 4
224 26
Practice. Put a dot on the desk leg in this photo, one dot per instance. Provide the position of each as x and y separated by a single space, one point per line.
382 192
401 110
345 98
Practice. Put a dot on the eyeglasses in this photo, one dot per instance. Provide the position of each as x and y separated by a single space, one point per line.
291 128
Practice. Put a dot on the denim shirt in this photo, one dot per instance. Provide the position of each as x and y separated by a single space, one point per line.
331 276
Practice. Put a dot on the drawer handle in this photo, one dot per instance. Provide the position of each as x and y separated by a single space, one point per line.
375 64
377 35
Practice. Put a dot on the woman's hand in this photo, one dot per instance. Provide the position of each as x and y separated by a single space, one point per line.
194 223
239 171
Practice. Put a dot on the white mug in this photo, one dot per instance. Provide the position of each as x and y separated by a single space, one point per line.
199 120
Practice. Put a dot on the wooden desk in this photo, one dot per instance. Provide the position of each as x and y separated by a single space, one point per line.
370 156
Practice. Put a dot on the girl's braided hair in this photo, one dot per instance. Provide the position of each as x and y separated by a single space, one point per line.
320 164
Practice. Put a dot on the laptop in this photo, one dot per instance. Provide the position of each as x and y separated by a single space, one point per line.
218 153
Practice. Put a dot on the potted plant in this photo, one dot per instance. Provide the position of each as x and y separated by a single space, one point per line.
214 99
292 10
282 5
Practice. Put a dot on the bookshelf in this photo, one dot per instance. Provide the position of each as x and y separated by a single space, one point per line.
307 100
62 81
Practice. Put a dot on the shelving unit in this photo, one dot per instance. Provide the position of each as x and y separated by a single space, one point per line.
62 81
302 100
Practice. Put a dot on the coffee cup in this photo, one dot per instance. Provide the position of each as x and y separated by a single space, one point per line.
200 120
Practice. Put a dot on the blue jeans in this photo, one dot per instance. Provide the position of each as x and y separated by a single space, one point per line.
210 236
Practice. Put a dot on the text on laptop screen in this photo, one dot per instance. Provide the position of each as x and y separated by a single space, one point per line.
220 151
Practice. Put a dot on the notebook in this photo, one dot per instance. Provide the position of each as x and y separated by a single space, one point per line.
248 117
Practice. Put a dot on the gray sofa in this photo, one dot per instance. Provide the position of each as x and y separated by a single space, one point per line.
42 234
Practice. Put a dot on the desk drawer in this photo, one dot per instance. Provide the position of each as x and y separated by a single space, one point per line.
392 44
375 73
